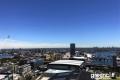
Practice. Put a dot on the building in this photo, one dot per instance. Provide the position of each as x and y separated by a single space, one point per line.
3 77
16 77
24 69
118 61
66 56
63 70
88 55
35 63
6 77
82 58
72 49
57 56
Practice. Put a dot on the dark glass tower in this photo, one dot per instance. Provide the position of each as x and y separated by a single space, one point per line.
72 49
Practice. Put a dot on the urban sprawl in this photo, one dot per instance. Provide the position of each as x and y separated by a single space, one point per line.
60 63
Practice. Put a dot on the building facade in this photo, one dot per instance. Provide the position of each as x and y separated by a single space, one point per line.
72 49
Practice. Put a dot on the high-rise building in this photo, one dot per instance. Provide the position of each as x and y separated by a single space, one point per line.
72 49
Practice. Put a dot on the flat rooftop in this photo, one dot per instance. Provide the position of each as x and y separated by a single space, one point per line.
2 76
68 62
82 57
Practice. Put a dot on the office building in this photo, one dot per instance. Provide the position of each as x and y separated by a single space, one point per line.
72 49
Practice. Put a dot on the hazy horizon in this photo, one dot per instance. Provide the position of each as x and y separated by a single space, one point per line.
10 43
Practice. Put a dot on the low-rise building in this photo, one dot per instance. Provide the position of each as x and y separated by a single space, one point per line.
24 69
6 77
66 55
35 63
118 62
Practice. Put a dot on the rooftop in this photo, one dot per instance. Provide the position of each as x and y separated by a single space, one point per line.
56 71
2 76
82 57
68 62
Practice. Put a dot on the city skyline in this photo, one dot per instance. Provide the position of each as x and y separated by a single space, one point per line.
10 43
51 23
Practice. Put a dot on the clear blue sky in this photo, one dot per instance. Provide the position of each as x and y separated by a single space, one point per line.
61 21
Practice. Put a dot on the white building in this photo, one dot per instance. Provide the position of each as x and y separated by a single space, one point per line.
66 55
6 77
118 62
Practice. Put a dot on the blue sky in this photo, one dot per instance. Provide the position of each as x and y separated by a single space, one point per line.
84 22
